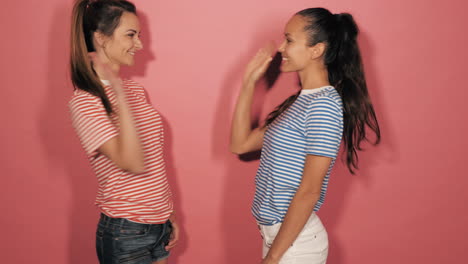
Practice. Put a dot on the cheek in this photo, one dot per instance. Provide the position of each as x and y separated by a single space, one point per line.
293 53
115 49
300 55
123 45
129 45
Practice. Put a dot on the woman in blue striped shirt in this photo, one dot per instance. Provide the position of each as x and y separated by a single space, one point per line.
301 137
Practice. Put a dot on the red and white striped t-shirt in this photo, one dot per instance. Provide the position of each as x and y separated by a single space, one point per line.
144 197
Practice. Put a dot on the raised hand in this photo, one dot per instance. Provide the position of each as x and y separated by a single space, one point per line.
105 72
258 65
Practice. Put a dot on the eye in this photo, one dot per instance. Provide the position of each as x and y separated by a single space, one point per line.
288 40
131 35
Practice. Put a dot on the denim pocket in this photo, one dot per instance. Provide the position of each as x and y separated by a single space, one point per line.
269 233
166 236
99 232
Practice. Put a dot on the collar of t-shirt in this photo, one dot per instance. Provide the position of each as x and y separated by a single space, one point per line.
105 82
315 90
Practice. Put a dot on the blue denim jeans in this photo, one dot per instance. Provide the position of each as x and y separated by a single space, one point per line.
119 240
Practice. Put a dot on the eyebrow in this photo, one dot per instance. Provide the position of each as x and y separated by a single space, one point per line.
287 34
132 30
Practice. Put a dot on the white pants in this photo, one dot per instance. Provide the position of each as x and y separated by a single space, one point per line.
310 247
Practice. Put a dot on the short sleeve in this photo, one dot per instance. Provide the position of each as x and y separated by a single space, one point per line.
91 123
324 127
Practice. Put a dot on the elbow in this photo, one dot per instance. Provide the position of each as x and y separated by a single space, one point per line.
237 150
135 167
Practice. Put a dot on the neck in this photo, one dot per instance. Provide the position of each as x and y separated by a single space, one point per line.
314 77
114 67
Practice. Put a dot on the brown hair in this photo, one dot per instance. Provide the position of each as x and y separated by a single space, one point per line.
88 17
346 73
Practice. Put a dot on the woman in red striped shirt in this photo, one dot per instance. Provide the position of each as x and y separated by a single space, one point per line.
122 135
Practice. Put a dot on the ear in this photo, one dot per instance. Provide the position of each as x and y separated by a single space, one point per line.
317 50
99 39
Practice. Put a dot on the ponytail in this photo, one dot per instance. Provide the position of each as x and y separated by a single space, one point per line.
346 73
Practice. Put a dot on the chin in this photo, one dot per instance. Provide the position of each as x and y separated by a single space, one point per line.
129 63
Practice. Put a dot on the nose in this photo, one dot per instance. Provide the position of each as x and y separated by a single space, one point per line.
282 46
138 44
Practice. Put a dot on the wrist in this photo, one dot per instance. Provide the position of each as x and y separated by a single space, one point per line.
272 256
172 217
248 84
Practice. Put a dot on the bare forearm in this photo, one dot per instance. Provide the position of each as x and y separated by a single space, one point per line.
173 216
299 211
130 148
243 138
241 122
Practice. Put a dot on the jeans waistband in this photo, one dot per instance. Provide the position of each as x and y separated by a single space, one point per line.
107 220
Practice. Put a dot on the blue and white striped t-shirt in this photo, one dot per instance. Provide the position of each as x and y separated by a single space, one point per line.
312 125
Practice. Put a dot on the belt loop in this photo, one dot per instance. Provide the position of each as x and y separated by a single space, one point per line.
106 219
121 223
151 226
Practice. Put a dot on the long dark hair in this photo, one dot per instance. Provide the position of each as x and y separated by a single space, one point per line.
91 16
345 72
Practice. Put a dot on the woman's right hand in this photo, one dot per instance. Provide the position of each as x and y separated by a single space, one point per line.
258 65
106 73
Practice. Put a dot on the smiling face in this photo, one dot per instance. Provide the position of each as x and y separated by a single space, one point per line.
297 55
120 48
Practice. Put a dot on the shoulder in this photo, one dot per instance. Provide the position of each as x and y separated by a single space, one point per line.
326 104
82 100
80 97
328 97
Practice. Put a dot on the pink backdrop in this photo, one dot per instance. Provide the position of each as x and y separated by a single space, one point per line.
406 204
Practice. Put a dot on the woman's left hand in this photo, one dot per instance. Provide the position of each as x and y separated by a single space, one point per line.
174 235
